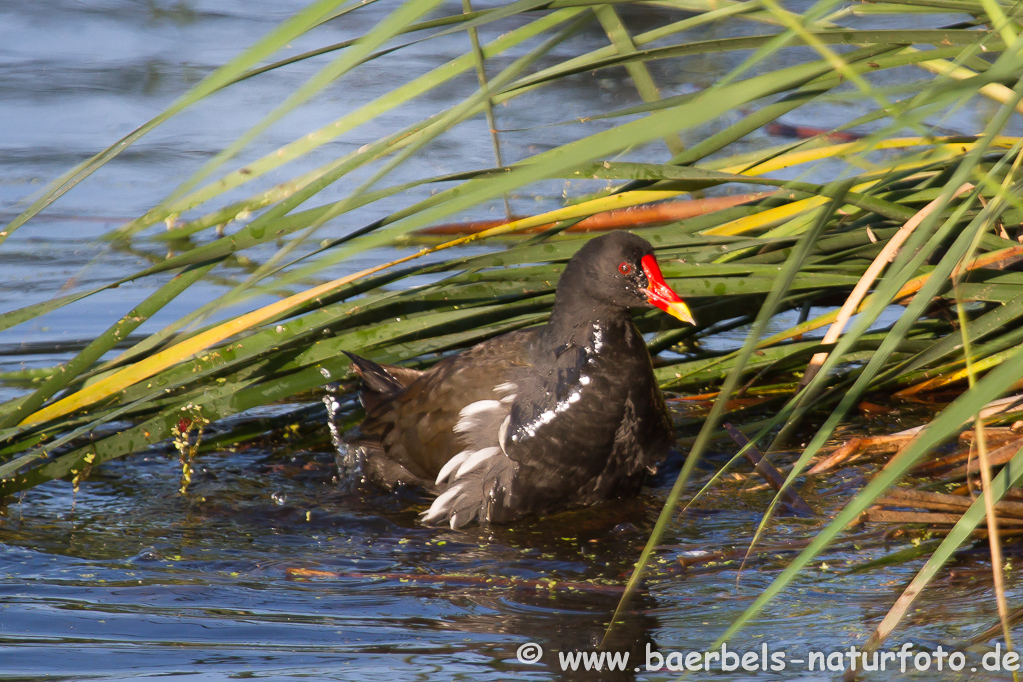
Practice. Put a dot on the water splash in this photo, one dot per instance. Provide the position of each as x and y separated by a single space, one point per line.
349 457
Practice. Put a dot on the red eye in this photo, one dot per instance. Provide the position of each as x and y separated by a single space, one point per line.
624 268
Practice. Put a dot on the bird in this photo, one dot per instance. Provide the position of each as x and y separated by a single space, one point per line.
537 420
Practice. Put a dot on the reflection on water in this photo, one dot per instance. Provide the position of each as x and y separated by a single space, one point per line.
127 578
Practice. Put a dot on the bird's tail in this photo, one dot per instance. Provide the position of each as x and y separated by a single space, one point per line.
380 382
374 376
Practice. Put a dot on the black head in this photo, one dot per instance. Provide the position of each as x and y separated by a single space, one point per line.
618 271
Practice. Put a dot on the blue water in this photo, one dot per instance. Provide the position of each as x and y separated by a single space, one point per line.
127 578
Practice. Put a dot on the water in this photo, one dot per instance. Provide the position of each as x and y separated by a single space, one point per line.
266 567
131 579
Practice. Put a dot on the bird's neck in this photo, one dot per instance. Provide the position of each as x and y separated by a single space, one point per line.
581 322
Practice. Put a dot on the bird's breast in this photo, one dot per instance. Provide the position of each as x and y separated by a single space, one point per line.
580 398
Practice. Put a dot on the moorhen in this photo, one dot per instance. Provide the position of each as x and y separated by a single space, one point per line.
536 420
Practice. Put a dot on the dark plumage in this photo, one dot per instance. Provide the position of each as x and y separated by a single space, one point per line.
561 415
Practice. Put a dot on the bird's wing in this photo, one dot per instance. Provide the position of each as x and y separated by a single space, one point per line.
477 479
413 433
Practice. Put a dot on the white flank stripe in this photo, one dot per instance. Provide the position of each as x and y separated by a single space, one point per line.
478 406
466 422
451 465
502 433
475 459
440 506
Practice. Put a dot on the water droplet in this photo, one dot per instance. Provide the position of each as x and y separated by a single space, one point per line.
279 498
148 555
325 372
349 464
